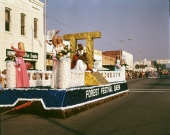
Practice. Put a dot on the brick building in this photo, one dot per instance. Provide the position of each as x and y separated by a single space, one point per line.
127 57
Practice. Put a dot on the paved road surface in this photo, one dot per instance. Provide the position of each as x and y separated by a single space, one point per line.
144 111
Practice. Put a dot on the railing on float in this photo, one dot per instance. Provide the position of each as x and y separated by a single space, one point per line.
114 76
43 78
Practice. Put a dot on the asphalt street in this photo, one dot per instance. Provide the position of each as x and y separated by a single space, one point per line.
144 111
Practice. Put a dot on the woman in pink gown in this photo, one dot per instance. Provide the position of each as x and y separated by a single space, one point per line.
22 79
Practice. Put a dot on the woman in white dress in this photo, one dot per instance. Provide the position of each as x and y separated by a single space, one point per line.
58 46
117 63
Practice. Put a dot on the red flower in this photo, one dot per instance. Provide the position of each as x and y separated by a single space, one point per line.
28 65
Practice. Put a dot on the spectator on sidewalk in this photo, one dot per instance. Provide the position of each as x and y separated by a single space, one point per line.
3 79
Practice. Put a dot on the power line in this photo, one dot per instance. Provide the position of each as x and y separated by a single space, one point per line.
63 23
78 31
80 17
53 18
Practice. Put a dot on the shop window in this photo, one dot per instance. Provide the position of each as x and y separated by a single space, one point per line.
35 27
23 24
7 19
49 68
33 64
49 62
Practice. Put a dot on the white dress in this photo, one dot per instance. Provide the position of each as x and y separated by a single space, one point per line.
117 66
80 65
55 72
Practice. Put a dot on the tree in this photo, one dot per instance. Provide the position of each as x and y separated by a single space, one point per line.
159 66
137 66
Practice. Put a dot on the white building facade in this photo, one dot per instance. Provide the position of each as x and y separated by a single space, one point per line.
98 59
128 57
144 65
22 21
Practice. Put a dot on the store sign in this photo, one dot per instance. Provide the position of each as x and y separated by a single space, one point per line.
163 61
28 55
50 34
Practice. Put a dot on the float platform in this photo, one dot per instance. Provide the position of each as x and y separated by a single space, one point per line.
61 103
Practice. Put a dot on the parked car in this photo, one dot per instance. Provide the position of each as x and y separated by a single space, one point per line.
153 75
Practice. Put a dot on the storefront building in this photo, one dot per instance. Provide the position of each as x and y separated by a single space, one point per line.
126 57
108 62
22 21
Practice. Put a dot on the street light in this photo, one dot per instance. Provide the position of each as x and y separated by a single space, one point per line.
139 57
148 63
45 33
121 41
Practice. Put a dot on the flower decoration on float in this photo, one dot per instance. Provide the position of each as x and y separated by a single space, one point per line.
124 64
64 53
17 61
10 57
28 65
118 66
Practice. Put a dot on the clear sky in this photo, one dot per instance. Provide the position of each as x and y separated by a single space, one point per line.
146 22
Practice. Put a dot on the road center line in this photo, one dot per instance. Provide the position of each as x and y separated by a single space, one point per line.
146 91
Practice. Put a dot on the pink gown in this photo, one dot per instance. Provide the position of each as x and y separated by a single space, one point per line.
22 79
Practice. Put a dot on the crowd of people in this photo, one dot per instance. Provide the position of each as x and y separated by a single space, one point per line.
3 78
139 74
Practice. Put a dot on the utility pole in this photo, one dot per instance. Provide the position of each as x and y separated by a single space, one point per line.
32 37
139 60
121 41
45 3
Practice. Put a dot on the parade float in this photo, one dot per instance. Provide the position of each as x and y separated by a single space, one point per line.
78 90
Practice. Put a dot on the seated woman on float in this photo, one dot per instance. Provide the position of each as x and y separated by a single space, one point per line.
79 61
